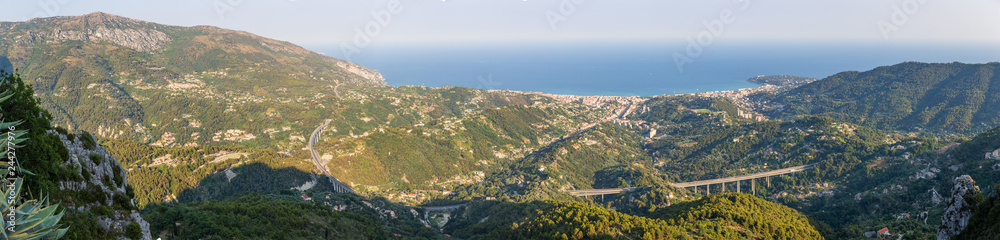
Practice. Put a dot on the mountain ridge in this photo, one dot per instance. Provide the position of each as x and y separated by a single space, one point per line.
210 89
910 96
81 64
180 111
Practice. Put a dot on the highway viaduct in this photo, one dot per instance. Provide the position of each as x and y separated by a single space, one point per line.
706 183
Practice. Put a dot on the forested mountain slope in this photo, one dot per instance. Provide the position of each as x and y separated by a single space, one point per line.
723 216
199 116
911 96
171 101
188 86
121 77
71 170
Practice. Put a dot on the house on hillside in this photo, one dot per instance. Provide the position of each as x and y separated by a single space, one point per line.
880 232
995 154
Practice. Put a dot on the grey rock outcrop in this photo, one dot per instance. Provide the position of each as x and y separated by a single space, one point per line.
98 26
119 220
143 40
94 27
370 75
956 217
106 178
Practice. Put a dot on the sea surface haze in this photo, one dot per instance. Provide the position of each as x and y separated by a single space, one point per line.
636 69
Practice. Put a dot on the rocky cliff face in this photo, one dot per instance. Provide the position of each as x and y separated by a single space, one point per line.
142 40
956 217
95 27
369 75
104 178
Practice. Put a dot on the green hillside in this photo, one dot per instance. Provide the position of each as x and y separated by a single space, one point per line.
204 130
165 174
257 216
121 77
911 96
186 86
723 216
169 100
439 155
65 169
757 217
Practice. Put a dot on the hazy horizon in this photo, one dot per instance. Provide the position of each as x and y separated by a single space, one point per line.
308 22
674 41
612 69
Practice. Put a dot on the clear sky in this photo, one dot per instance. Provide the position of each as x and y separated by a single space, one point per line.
314 22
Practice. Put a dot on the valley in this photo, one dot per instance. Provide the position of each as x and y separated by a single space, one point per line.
203 132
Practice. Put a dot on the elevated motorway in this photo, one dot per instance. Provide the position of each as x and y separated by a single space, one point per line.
337 185
696 184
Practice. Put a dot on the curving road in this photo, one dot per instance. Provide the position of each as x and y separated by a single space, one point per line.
337 185
445 208
591 192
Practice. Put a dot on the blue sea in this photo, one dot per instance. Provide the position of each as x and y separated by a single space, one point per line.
636 69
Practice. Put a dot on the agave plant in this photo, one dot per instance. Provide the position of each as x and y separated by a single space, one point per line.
22 220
